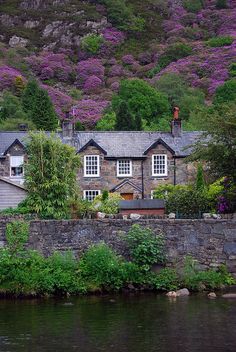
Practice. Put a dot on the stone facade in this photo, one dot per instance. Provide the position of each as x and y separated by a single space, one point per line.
211 242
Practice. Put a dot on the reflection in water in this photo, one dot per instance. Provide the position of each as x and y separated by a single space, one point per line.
142 323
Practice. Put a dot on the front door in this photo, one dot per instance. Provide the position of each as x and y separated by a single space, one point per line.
127 196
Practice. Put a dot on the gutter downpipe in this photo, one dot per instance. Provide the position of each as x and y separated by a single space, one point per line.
174 171
142 180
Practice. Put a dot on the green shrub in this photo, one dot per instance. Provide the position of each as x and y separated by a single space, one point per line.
193 5
232 69
196 279
145 247
101 268
220 41
221 4
173 53
166 280
17 234
109 205
92 43
225 93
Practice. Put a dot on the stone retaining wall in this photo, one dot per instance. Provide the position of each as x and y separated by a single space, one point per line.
211 242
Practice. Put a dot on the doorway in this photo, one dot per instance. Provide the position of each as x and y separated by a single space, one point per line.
127 196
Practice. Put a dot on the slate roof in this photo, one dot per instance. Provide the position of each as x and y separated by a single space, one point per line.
134 144
118 144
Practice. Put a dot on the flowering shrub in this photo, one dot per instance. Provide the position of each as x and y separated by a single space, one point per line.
88 111
48 65
62 102
87 68
92 84
8 77
113 35
128 59
116 71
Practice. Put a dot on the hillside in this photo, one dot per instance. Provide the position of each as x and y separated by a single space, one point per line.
80 51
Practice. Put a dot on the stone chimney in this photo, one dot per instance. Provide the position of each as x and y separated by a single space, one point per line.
67 129
176 125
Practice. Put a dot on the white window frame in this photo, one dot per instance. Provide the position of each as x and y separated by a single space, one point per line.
166 170
98 166
118 169
20 165
152 193
91 190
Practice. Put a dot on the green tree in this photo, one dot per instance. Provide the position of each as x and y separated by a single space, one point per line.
107 122
180 94
200 180
10 107
42 112
226 93
29 94
142 99
50 175
217 145
124 119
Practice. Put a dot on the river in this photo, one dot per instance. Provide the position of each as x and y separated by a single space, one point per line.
127 323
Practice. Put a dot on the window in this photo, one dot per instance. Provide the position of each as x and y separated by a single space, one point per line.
16 166
91 166
152 194
159 165
124 168
90 195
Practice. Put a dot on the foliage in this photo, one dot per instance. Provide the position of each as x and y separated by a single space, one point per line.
19 84
42 111
124 119
200 180
193 5
10 107
166 280
100 267
109 205
50 175
194 278
81 208
217 147
142 99
226 93
232 69
220 41
13 124
8 76
227 198
145 247
29 94
173 53
92 43
180 94
87 68
107 122
17 233
221 4
186 200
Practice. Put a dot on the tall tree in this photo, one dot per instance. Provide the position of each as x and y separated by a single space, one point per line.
217 145
42 112
124 119
50 175
29 94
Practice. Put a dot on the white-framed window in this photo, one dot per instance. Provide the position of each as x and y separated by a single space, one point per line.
91 194
91 166
159 165
124 167
16 166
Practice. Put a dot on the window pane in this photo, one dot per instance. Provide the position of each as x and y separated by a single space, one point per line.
159 165
90 195
91 165
16 161
124 167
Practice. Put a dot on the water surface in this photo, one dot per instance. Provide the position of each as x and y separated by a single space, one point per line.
132 323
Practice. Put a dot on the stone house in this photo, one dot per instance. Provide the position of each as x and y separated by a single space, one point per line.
130 163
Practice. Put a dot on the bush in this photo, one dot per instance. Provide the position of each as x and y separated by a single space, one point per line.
232 69
166 280
193 5
225 93
145 247
100 268
110 205
173 53
220 41
92 43
221 4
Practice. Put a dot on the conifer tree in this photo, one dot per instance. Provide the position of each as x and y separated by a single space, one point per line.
124 119
29 94
42 112
200 181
